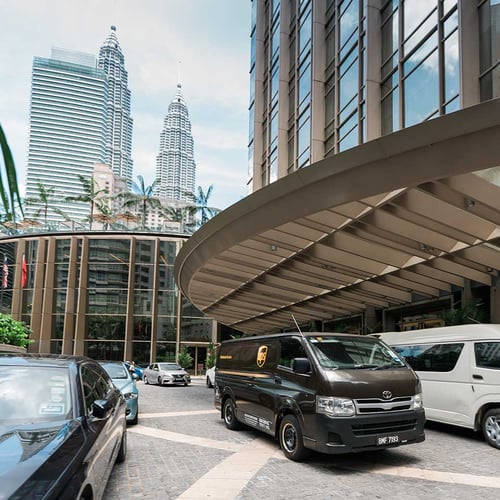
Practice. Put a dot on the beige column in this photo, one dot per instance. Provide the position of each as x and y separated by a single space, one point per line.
71 293
129 315
46 323
38 294
82 300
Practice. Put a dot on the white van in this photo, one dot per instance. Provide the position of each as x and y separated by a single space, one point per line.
459 367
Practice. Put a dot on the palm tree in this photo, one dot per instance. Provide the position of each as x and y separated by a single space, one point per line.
45 198
90 195
9 193
201 207
106 216
142 197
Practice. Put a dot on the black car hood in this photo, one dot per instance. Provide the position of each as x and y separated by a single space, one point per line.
35 458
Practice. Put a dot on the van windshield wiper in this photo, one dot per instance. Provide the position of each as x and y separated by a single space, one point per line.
365 365
386 366
374 367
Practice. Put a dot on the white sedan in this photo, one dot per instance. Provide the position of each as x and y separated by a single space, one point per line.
165 374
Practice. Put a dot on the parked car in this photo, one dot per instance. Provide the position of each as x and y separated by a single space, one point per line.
166 374
125 381
138 370
62 427
210 373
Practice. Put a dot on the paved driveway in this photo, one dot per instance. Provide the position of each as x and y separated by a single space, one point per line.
181 450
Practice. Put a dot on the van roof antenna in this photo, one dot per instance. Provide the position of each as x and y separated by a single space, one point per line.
297 325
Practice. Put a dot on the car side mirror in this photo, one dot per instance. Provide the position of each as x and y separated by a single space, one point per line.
135 376
301 365
101 409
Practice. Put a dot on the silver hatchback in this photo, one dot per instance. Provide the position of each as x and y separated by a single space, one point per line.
165 374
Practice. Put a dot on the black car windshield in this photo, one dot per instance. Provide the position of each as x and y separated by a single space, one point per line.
33 394
168 367
115 370
353 353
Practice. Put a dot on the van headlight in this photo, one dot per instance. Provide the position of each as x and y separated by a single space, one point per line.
335 407
417 401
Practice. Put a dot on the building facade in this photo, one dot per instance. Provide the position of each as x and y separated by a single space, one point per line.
119 123
67 131
102 294
373 169
175 165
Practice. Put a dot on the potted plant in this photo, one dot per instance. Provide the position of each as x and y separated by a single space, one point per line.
13 335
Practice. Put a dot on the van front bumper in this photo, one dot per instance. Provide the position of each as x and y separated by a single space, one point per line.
366 432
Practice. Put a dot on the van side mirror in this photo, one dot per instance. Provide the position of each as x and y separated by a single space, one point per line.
301 365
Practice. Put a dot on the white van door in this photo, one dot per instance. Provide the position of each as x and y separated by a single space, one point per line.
485 373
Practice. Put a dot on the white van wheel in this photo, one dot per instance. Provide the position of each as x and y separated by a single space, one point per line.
291 440
229 413
491 427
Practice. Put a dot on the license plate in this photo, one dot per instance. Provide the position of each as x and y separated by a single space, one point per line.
386 440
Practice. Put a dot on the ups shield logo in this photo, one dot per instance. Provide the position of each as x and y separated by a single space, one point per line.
261 356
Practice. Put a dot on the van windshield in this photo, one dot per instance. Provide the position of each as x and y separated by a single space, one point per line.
353 353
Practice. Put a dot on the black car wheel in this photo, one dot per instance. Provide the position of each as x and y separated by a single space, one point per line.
134 421
209 384
229 412
491 427
145 379
122 452
159 380
291 440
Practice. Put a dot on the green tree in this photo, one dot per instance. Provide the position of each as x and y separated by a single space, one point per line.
141 198
201 210
211 355
184 359
14 332
470 313
45 199
9 189
90 195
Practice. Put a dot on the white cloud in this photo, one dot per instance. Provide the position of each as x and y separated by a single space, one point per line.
209 37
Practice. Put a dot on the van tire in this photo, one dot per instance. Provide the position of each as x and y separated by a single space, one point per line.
291 439
491 427
229 414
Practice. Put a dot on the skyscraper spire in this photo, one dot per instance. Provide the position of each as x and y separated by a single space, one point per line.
175 165
119 122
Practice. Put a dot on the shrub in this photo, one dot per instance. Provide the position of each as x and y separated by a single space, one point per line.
184 359
14 332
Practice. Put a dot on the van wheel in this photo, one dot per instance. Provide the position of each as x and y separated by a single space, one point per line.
491 427
229 413
291 440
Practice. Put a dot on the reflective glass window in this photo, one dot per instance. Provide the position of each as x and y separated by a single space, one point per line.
104 327
167 327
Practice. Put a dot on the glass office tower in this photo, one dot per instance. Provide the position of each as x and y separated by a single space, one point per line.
119 122
329 75
67 131
175 165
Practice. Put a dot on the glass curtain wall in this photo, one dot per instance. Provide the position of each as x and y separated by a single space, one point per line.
104 297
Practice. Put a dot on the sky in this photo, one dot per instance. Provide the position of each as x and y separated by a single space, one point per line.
203 44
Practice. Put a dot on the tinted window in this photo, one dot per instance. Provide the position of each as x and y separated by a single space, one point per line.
431 357
487 354
290 348
96 385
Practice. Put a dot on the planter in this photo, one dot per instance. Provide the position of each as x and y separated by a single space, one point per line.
12 348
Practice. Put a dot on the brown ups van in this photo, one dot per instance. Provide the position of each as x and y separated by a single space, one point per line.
333 393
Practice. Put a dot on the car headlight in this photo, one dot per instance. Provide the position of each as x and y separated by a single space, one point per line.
130 395
418 401
335 407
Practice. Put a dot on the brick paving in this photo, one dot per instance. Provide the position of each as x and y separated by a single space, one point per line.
181 449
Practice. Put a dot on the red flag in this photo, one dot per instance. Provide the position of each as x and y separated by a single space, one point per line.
5 274
24 272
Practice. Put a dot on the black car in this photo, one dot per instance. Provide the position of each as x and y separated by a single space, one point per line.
62 427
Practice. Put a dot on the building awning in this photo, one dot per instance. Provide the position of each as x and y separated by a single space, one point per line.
407 215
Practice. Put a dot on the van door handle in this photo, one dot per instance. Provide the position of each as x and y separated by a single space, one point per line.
477 377
277 379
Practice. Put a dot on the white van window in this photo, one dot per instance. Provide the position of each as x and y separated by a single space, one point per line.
431 357
487 354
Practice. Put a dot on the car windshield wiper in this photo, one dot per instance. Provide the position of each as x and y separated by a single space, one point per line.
363 366
386 366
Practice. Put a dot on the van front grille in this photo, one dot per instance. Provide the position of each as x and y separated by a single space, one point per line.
376 405
384 427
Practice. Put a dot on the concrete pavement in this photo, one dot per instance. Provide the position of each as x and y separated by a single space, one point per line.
181 449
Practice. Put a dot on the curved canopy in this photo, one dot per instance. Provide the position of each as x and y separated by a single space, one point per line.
409 214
